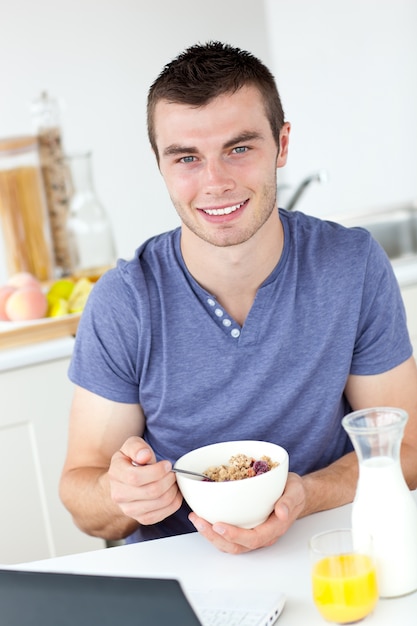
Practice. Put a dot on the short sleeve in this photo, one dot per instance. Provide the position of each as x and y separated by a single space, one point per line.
382 340
105 357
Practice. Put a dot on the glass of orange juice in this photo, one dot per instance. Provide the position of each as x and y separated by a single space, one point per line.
345 588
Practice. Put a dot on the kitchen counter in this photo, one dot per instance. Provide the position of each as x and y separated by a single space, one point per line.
406 271
36 353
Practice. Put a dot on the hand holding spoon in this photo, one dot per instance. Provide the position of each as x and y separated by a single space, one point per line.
183 471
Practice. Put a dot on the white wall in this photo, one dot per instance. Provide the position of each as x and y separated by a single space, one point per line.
346 71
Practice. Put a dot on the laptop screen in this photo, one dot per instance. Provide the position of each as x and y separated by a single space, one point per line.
51 599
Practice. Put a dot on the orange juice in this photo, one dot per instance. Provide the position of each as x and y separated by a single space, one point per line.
345 587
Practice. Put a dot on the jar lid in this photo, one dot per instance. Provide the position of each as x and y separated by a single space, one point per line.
15 145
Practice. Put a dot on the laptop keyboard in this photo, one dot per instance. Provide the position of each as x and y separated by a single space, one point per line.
218 617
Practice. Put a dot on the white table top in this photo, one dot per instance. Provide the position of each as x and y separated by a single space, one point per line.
284 566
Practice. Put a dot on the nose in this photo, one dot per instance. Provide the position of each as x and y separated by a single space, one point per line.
217 177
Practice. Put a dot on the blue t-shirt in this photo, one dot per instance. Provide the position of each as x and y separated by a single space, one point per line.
150 334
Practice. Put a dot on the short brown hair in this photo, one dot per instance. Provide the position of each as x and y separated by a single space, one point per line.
203 72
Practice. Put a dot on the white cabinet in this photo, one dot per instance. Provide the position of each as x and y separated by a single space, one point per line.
34 408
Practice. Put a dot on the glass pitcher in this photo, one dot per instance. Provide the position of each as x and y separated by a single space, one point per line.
383 506
89 229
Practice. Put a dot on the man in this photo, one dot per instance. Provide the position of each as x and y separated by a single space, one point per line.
245 323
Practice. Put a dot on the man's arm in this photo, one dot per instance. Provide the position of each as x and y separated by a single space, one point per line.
334 485
396 388
106 495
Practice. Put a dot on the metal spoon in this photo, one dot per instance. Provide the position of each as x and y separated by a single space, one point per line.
183 471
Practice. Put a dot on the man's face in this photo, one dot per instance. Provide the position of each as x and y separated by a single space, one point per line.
219 164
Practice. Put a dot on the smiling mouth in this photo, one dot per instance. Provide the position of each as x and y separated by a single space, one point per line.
225 211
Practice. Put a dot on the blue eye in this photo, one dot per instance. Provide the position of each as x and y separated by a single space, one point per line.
187 159
240 149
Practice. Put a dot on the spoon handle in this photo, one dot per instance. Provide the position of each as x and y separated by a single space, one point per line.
183 471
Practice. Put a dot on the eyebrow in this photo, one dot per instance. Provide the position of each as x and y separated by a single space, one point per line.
245 136
176 149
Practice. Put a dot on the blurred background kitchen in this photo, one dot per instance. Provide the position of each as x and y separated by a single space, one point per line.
347 73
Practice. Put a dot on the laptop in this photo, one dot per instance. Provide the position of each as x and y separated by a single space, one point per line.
60 599
250 607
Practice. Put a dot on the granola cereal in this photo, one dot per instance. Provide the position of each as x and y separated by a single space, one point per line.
240 466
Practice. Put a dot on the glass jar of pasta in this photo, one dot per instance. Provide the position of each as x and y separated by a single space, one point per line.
23 210
46 117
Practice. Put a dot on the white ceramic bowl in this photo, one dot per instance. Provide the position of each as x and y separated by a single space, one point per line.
245 503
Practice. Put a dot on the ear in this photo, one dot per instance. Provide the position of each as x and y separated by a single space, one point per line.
284 139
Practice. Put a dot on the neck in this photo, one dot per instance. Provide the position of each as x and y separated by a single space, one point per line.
233 274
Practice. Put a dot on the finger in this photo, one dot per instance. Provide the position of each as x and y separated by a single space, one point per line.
153 511
138 451
144 497
252 539
155 494
155 479
205 529
142 457
122 471
292 502
236 540
220 540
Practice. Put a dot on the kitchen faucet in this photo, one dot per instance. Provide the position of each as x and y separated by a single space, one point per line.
320 177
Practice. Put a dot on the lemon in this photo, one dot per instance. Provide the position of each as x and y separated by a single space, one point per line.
60 290
79 295
58 307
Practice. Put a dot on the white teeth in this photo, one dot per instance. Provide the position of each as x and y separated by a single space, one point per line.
225 211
